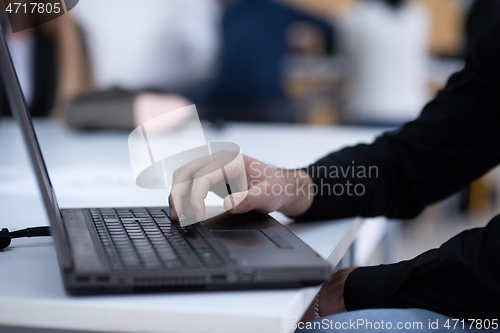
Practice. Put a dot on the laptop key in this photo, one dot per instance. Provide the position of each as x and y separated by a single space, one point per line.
137 237
156 265
172 264
167 254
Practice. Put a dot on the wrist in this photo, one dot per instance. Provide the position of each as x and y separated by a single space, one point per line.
297 192
331 300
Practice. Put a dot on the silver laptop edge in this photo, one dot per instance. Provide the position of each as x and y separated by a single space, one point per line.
20 112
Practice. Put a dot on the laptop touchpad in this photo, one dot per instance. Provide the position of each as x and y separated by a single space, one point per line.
240 240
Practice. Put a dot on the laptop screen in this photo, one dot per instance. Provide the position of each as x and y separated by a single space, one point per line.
20 111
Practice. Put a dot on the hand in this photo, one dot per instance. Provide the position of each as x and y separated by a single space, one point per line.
262 188
331 298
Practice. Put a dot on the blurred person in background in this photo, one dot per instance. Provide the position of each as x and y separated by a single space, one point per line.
385 44
157 44
146 57
248 85
51 63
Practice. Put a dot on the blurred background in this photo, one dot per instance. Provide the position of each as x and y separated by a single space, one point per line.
114 64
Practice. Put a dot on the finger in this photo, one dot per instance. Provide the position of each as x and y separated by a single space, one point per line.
202 173
181 185
199 191
187 209
229 170
177 194
173 211
237 174
187 171
221 189
253 199
224 157
232 162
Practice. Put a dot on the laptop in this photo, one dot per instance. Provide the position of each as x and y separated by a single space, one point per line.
140 249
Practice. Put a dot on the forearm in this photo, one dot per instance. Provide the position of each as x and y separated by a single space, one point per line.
402 172
454 141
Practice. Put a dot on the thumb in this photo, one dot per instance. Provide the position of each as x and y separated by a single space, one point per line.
245 201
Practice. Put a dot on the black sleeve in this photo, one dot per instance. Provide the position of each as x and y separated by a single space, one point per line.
455 140
461 279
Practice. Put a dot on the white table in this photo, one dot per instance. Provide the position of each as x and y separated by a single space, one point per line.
93 169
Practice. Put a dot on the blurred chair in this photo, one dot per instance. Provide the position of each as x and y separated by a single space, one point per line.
248 86
385 44
52 65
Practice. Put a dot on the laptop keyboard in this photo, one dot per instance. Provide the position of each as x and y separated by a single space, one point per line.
147 239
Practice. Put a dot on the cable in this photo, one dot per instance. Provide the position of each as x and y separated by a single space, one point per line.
31 232
6 236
